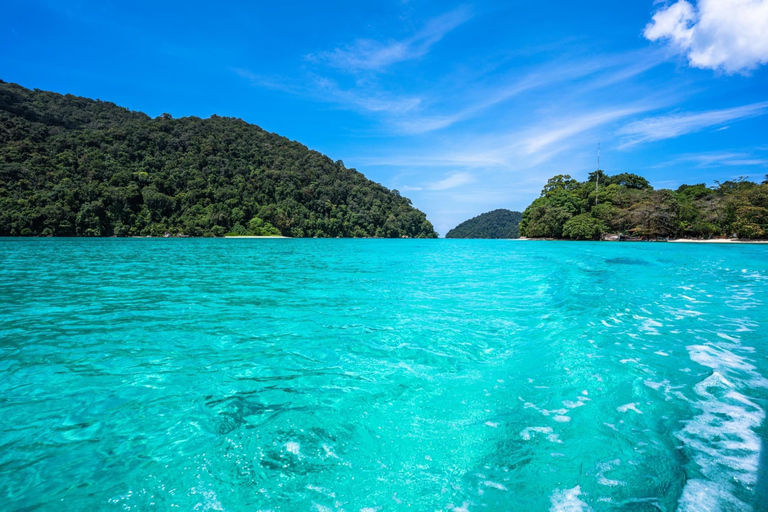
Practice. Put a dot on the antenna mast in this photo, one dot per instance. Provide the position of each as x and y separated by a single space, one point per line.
597 174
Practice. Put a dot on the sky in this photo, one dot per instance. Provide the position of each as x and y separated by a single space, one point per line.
462 107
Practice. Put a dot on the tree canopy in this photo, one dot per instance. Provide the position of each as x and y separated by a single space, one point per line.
72 166
626 203
495 224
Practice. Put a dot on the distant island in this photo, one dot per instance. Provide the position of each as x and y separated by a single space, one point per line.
72 166
627 204
494 224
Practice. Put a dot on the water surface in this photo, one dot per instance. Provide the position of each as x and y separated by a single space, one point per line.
382 375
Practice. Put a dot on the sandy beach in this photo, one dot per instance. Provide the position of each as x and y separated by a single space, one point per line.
675 240
254 236
718 241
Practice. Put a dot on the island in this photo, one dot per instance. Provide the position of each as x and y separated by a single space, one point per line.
499 223
72 166
626 206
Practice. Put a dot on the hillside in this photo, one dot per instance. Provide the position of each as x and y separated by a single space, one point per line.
495 224
626 203
72 166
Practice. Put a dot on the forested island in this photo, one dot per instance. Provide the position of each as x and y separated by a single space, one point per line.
627 204
499 223
72 166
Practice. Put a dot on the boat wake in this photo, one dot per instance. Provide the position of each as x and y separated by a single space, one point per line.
721 439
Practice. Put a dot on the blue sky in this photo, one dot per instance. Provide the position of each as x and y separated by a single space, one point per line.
463 107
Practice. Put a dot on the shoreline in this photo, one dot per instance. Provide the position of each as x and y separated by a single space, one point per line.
255 236
716 241
673 241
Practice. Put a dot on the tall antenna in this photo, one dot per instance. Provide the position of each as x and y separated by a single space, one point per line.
597 174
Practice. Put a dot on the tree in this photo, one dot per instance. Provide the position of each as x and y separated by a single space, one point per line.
629 180
546 221
74 166
495 224
627 203
584 227
559 183
657 215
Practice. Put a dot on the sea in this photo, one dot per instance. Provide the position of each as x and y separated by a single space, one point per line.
377 375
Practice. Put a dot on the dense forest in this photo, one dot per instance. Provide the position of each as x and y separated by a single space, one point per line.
627 204
72 166
495 224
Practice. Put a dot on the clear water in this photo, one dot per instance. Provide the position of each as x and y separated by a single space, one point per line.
382 375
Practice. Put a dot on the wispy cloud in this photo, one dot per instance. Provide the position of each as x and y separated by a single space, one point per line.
325 89
521 148
453 180
371 55
574 126
675 125
607 70
720 159
428 123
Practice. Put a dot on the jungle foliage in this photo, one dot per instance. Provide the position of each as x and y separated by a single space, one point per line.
72 166
627 204
494 224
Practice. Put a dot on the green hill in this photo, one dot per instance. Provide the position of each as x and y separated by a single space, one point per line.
626 203
496 224
72 166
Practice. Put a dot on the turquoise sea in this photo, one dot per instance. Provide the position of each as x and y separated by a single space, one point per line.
365 375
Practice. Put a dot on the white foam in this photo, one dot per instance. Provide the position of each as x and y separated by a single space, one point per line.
703 496
718 358
661 353
494 485
629 407
210 500
329 452
529 432
567 500
292 447
562 419
321 490
721 437
669 391
655 385
546 412
650 325
578 403
604 467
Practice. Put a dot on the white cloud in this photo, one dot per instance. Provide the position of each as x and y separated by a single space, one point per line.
529 148
719 159
523 148
606 70
675 125
728 35
453 180
328 90
574 126
371 55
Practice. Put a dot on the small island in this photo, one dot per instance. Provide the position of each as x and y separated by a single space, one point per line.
626 206
499 223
